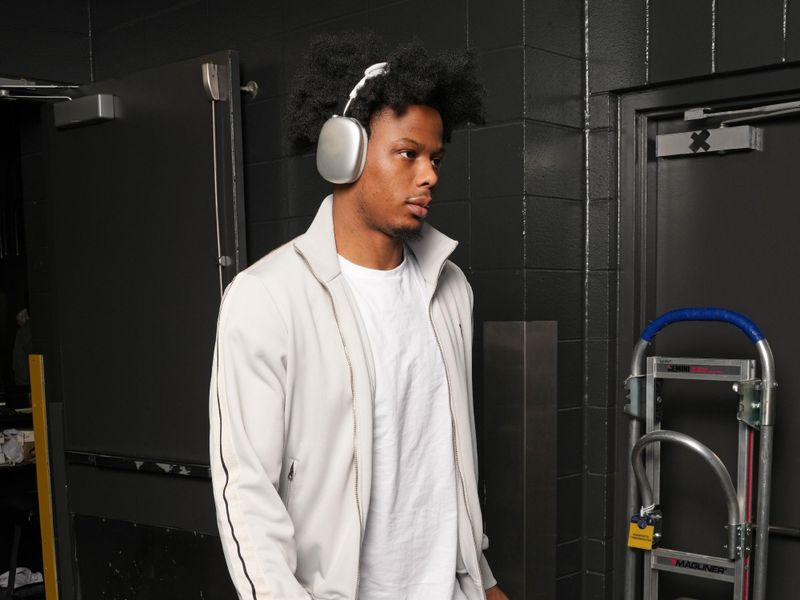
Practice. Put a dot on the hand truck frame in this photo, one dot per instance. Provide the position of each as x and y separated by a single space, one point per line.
756 412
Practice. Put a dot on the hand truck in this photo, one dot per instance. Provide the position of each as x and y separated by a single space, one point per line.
756 413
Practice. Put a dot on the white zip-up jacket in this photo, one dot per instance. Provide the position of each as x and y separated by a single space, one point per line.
291 419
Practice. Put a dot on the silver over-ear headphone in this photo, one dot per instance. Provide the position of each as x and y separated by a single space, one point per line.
342 144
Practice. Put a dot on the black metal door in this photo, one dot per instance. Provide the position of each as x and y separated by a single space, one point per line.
716 230
145 207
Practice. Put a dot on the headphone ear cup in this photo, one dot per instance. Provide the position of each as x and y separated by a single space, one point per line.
341 150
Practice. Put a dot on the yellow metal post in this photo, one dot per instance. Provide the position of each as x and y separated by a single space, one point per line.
36 364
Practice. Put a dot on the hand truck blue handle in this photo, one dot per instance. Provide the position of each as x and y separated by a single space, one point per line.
749 328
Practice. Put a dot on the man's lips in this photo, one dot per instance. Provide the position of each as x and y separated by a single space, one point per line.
419 206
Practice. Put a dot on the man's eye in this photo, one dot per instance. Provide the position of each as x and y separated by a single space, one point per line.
436 162
408 153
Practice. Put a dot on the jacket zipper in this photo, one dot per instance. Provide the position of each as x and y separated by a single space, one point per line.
355 424
453 424
290 479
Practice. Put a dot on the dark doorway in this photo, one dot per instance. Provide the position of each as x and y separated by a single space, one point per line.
714 230
17 481
13 257
135 224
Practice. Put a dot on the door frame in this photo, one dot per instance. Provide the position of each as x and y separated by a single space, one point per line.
230 213
637 182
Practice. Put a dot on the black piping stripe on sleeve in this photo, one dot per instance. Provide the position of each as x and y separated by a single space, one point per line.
225 488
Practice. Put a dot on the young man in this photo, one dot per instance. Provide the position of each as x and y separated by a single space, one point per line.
342 431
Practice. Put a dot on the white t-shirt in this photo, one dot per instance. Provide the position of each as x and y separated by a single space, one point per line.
410 545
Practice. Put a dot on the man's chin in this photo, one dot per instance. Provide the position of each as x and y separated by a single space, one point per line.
407 234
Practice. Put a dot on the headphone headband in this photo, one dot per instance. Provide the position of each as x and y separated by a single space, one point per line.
370 72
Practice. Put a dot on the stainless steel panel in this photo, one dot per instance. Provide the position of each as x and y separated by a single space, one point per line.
541 445
519 454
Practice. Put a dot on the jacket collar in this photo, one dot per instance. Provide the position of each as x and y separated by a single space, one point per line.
318 246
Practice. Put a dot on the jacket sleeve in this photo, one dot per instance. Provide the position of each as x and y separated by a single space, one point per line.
246 411
486 572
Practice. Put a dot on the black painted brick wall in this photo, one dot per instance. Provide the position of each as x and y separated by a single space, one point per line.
46 40
554 242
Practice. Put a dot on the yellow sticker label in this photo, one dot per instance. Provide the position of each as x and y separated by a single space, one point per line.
639 537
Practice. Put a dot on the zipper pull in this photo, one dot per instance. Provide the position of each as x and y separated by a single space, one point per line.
290 476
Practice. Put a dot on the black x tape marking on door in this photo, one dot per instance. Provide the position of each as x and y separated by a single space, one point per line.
699 141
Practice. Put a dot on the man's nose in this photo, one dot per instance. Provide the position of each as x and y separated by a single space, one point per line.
428 175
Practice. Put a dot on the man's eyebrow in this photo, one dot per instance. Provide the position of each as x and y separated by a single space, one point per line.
413 142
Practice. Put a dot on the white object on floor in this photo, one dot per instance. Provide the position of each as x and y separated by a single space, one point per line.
24 577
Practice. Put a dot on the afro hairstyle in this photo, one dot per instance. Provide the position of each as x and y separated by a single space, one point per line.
336 62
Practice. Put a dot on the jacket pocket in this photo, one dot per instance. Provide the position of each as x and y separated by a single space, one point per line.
291 477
